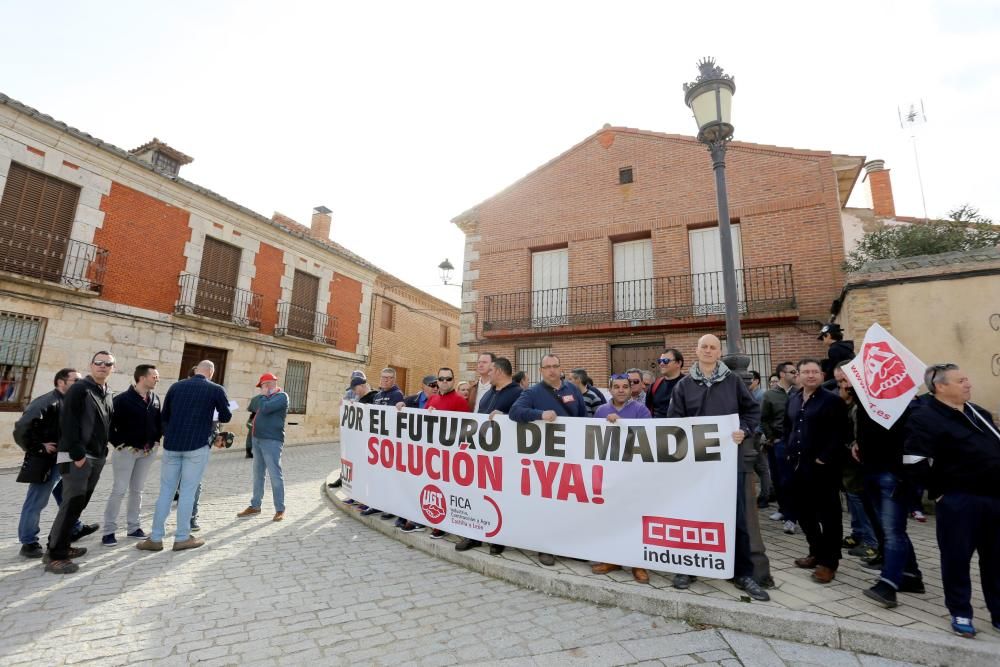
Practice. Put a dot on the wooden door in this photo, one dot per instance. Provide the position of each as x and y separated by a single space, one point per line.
194 354
635 355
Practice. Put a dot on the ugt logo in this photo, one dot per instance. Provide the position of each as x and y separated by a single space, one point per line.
885 372
661 531
346 471
432 502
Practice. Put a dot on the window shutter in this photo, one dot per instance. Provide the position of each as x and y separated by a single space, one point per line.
217 279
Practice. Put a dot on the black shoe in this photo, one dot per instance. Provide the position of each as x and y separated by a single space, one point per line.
766 582
496 549
337 484
467 543
751 588
399 523
849 542
411 527
682 582
762 503
85 529
883 593
546 559
369 511
437 534
387 515
33 550
873 564
249 455
912 585
74 552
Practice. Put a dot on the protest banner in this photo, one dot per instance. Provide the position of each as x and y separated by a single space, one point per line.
658 494
885 376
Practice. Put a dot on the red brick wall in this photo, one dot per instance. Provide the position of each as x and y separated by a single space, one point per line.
146 238
786 202
269 264
345 305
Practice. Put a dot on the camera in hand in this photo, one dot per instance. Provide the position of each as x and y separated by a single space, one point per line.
223 439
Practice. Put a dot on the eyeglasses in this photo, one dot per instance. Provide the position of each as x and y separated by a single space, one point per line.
791 372
664 362
433 385
103 364
444 379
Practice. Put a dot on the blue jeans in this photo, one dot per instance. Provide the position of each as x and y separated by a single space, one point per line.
861 527
886 494
35 501
267 457
179 471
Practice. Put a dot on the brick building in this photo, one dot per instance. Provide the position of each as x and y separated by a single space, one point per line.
412 331
102 248
610 251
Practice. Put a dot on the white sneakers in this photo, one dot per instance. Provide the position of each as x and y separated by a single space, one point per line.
789 527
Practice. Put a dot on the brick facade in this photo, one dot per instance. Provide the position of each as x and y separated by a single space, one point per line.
786 201
414 341
345 304
269 267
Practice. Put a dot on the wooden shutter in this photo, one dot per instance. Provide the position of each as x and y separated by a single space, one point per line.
36 220
388 315
706 267
549 280
634 280
302 314
220 270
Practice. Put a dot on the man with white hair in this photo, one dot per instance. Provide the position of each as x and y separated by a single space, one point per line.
188 415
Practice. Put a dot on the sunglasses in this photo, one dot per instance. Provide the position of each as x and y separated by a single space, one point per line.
664 362
103 364
937 369
635 381
444 379
433 385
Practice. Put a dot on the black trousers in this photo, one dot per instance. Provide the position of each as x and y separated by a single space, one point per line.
743 565
968 523
817 501
78 486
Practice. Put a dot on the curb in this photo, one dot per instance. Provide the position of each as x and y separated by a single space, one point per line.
797 626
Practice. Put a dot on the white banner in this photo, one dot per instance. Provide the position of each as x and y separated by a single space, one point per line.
652 493
885 376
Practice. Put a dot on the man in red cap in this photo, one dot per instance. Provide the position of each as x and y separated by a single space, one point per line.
268 438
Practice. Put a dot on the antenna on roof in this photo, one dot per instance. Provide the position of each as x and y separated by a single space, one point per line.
910 120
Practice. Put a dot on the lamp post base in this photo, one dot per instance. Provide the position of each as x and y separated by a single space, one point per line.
739 364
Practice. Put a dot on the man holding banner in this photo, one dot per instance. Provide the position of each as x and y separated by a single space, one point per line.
711 389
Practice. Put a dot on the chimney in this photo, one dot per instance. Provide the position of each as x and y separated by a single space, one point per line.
321 221
881 186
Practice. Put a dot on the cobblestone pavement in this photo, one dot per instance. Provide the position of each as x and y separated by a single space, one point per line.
321 588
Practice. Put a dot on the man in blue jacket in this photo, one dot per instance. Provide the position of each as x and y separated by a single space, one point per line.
548 400
268 437
188 414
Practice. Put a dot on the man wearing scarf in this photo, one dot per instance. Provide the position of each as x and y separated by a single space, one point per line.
711 389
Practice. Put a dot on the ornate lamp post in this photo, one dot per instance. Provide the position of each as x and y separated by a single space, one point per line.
446 269
710 98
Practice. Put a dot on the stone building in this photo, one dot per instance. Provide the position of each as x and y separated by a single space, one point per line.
103 248
412 332
610 252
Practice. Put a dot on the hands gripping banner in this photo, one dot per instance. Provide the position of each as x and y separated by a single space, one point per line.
657 494
885 376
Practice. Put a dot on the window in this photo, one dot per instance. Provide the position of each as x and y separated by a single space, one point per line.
549 282
165 165
297 386
706 267
529 360
20 344
758 348
634 280
302 311
624 175
388 314
217 278
36 219
444 335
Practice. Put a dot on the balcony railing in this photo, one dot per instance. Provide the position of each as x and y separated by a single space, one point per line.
762 290
208 298
45 256
304 323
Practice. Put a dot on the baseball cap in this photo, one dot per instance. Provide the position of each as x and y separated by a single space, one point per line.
430 379
355 381
831 328
267 377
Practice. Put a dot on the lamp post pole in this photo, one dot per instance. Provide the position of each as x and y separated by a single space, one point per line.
710 98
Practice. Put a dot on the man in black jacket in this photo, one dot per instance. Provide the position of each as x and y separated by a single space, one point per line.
953 446
817 431
85 427
838 350
428 388
136 430
671 362
711 389
37 433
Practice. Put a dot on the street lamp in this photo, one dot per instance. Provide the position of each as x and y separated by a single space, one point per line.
446 269
710 98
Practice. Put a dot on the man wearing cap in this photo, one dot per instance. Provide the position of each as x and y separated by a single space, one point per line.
428 388
268 440
349 395
838 350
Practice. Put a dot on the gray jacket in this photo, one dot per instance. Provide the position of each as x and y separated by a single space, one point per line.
728 396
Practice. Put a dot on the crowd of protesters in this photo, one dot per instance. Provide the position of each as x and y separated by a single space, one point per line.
804 443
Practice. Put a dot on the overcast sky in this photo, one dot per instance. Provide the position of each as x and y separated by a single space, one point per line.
400 115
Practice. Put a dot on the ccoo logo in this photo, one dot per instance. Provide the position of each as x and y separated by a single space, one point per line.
432 502
885 372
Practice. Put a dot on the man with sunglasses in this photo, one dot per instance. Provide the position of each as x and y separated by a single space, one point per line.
711 389
85 428
548 400
953 446
637 387
671 362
